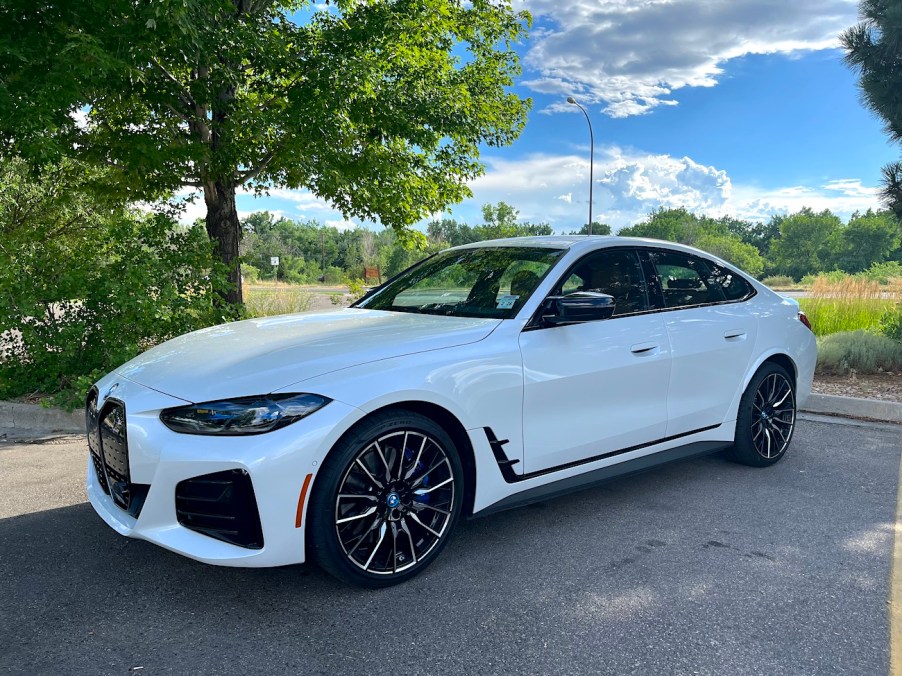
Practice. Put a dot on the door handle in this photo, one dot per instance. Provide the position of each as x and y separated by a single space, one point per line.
734 334
645 348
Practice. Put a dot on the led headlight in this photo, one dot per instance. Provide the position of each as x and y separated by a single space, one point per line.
247 415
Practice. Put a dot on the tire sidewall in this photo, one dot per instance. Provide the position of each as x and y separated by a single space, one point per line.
322 539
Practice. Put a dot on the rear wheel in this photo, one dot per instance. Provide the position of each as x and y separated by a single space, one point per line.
386 500
767 417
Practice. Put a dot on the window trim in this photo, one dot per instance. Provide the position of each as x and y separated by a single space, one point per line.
650 278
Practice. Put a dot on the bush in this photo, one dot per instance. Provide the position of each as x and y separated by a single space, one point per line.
334 276
356 287
250 274
884 272
891 323
861 351
778 281
88 285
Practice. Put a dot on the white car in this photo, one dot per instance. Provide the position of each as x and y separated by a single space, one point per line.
485 377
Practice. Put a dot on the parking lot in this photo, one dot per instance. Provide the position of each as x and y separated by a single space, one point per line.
703 567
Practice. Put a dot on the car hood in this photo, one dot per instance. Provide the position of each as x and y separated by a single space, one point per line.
258 356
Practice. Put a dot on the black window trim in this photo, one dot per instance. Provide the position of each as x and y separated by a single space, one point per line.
650 279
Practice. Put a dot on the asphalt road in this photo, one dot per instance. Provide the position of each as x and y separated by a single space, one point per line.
699 568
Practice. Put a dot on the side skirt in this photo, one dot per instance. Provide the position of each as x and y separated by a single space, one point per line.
581 481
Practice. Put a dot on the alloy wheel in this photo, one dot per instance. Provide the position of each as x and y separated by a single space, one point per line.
395 502
773 416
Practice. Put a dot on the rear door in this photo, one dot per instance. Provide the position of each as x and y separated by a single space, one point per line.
600 387
711 332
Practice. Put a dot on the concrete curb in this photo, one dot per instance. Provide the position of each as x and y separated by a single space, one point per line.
853 407
30 420
23 421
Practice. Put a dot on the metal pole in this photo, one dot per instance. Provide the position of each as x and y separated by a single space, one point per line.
571 100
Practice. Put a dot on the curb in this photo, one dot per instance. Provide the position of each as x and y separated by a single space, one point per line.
854 407
30 420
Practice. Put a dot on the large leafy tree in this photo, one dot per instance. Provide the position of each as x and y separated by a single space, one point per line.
379 106
874 51
807 244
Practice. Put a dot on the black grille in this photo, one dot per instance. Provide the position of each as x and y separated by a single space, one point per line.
222 506
108 443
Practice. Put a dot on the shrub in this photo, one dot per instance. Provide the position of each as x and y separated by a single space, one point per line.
778 281
250 274
88 285
334 275
356 287
891 323
863 351
848 305
884 273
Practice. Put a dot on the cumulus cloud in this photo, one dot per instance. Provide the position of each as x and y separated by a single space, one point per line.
631 55
630 184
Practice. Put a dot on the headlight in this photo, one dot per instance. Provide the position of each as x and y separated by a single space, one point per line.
247 415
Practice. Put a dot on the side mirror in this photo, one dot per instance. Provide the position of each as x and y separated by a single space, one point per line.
578 307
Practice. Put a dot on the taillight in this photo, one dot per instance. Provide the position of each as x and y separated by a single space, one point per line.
804 319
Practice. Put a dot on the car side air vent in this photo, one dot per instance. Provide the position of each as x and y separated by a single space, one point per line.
222 506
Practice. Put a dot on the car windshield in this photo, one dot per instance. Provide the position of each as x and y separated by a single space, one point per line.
474 282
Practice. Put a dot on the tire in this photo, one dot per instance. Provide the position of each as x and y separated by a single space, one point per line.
386 500
766 420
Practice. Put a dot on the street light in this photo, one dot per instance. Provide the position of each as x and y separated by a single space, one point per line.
572 100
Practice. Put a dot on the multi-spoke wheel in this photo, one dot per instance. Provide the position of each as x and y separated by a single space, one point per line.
767 417
386 500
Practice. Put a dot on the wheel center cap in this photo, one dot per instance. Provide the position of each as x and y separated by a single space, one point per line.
392 500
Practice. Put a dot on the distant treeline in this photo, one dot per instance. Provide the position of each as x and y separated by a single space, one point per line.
794 245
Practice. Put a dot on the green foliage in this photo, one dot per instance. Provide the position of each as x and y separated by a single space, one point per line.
845 304
380 107
500 221
861 351
874 52
779 281
884 272
334 275
597 229
868 238
277 299
356 288
806 245
716 236
891 323
86 285
250 273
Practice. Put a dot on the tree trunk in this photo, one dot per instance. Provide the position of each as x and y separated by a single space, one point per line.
224 230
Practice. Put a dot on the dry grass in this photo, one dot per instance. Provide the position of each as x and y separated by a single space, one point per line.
849 304
264 299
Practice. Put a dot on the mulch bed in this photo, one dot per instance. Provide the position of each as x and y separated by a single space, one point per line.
886 386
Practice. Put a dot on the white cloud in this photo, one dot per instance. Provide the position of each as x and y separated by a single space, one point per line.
631 55
630 184
341 224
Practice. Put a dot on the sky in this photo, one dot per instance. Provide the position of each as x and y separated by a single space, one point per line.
723 107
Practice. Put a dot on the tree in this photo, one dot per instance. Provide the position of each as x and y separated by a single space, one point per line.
874 51
807 243
868 238
597 229
379 106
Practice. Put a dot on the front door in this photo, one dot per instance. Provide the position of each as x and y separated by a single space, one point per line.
599 387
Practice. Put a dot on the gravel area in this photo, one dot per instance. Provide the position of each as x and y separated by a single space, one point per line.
885 386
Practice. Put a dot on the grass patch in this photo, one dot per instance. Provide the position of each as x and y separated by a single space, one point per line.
860 351
850 304
780 282
264 300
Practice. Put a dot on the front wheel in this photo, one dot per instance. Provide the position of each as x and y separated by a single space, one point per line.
767 417
386 500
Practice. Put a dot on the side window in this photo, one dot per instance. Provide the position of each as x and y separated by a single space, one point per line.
685 280
616 272
732 285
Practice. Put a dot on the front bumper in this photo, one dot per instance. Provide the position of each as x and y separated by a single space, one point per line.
277 464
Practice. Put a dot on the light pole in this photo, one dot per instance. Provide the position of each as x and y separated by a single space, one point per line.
572 100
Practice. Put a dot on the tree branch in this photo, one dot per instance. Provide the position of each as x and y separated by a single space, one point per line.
250 174
183 93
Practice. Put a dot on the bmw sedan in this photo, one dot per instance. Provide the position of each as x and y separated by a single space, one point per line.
485 377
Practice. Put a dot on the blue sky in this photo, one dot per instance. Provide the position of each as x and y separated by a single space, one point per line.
738 107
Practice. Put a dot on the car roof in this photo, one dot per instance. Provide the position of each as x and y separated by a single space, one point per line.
578 243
